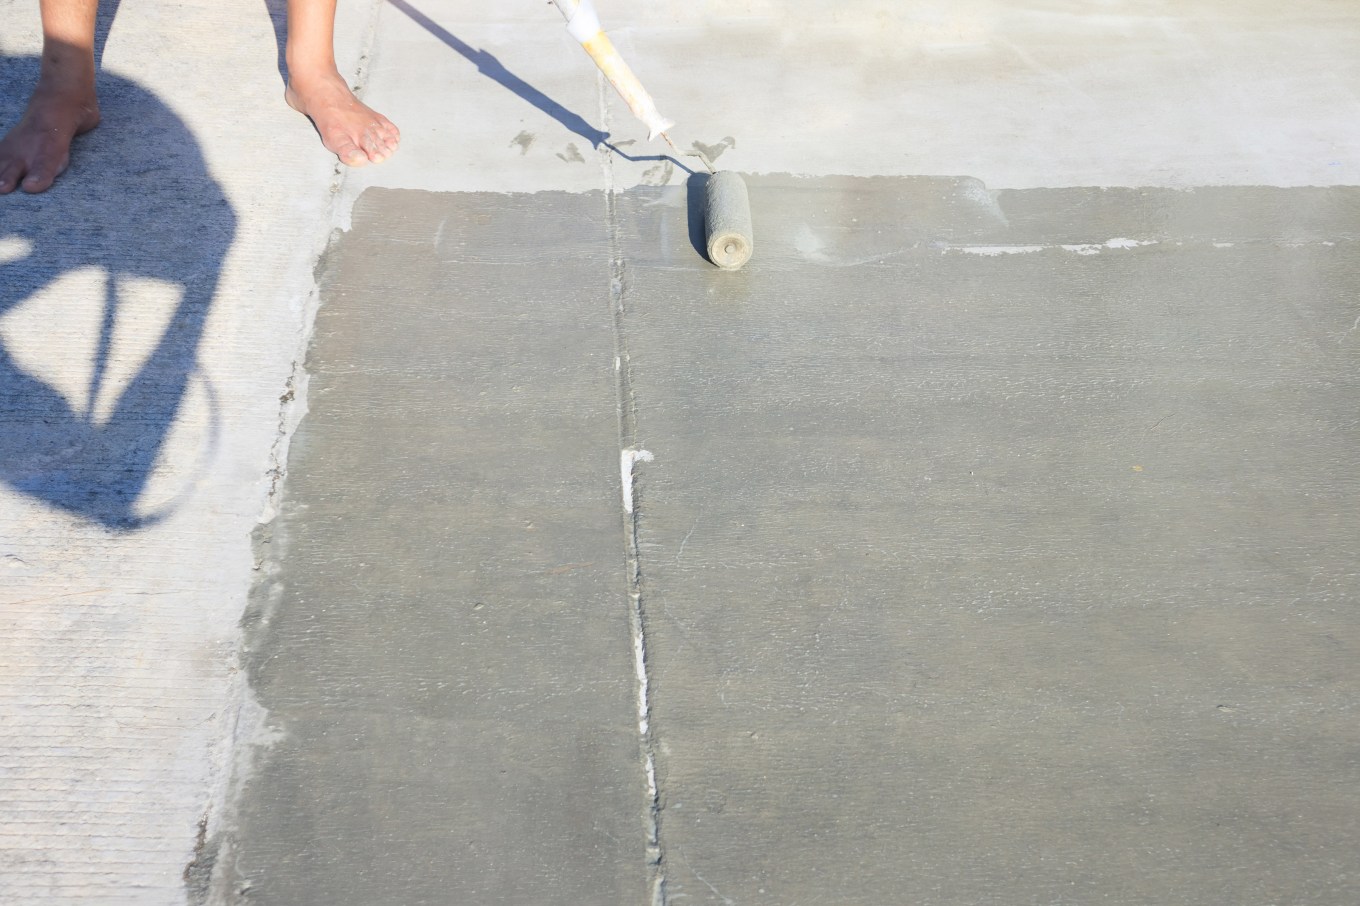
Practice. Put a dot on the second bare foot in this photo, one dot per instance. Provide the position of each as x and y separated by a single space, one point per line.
351 130
38 149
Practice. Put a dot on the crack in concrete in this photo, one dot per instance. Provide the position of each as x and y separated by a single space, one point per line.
632 454
727 901
278 456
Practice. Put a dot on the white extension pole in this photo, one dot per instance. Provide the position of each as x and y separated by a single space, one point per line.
584 26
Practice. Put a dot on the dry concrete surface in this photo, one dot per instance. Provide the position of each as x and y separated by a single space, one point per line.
450 531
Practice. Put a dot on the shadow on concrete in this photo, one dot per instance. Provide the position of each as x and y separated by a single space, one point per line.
489 66
137 203
278 19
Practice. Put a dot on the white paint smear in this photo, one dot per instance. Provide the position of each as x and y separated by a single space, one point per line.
1095 248
1085 248
992 251
627 459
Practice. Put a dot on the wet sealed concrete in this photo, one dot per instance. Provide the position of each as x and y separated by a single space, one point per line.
439 643
981 569
995 547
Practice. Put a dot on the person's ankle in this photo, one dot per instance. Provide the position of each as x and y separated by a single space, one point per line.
76 98
312 69
66 70
68 91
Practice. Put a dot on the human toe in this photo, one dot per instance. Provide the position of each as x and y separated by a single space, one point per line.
10 174
380 141
350 154
377 150
41 175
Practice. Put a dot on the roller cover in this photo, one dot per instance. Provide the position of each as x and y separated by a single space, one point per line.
727 219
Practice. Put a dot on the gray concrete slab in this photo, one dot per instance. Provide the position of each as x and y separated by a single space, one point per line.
443 644
1000 548
130 724
992 547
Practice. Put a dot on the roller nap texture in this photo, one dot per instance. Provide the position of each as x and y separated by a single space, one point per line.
727 221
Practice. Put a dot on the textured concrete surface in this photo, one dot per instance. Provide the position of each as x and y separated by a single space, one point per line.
1000 548
155 311
149 326
989 547
442 642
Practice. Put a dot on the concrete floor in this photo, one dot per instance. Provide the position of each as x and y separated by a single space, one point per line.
988 539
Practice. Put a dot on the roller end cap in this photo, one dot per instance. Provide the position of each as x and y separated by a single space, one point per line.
729 251
730 238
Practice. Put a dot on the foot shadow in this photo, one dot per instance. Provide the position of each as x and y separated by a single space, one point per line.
126 217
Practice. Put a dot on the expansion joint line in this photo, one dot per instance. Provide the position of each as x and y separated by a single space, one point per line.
631 454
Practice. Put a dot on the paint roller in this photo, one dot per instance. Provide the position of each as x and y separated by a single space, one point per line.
727 204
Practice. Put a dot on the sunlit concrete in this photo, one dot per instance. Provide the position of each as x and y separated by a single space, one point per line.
158 305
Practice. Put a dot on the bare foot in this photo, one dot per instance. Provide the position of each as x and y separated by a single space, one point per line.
351 130
37 150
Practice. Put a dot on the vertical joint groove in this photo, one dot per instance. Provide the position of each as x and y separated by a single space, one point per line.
628 440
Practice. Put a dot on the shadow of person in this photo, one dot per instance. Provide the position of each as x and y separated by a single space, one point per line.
137 204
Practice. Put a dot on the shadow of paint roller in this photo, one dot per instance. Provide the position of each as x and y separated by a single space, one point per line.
727 206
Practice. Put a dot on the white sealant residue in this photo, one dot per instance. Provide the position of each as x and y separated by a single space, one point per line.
1085 248
991 251
627 460
809 244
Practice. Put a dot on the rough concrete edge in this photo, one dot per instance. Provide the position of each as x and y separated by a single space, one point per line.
210 875
246 734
